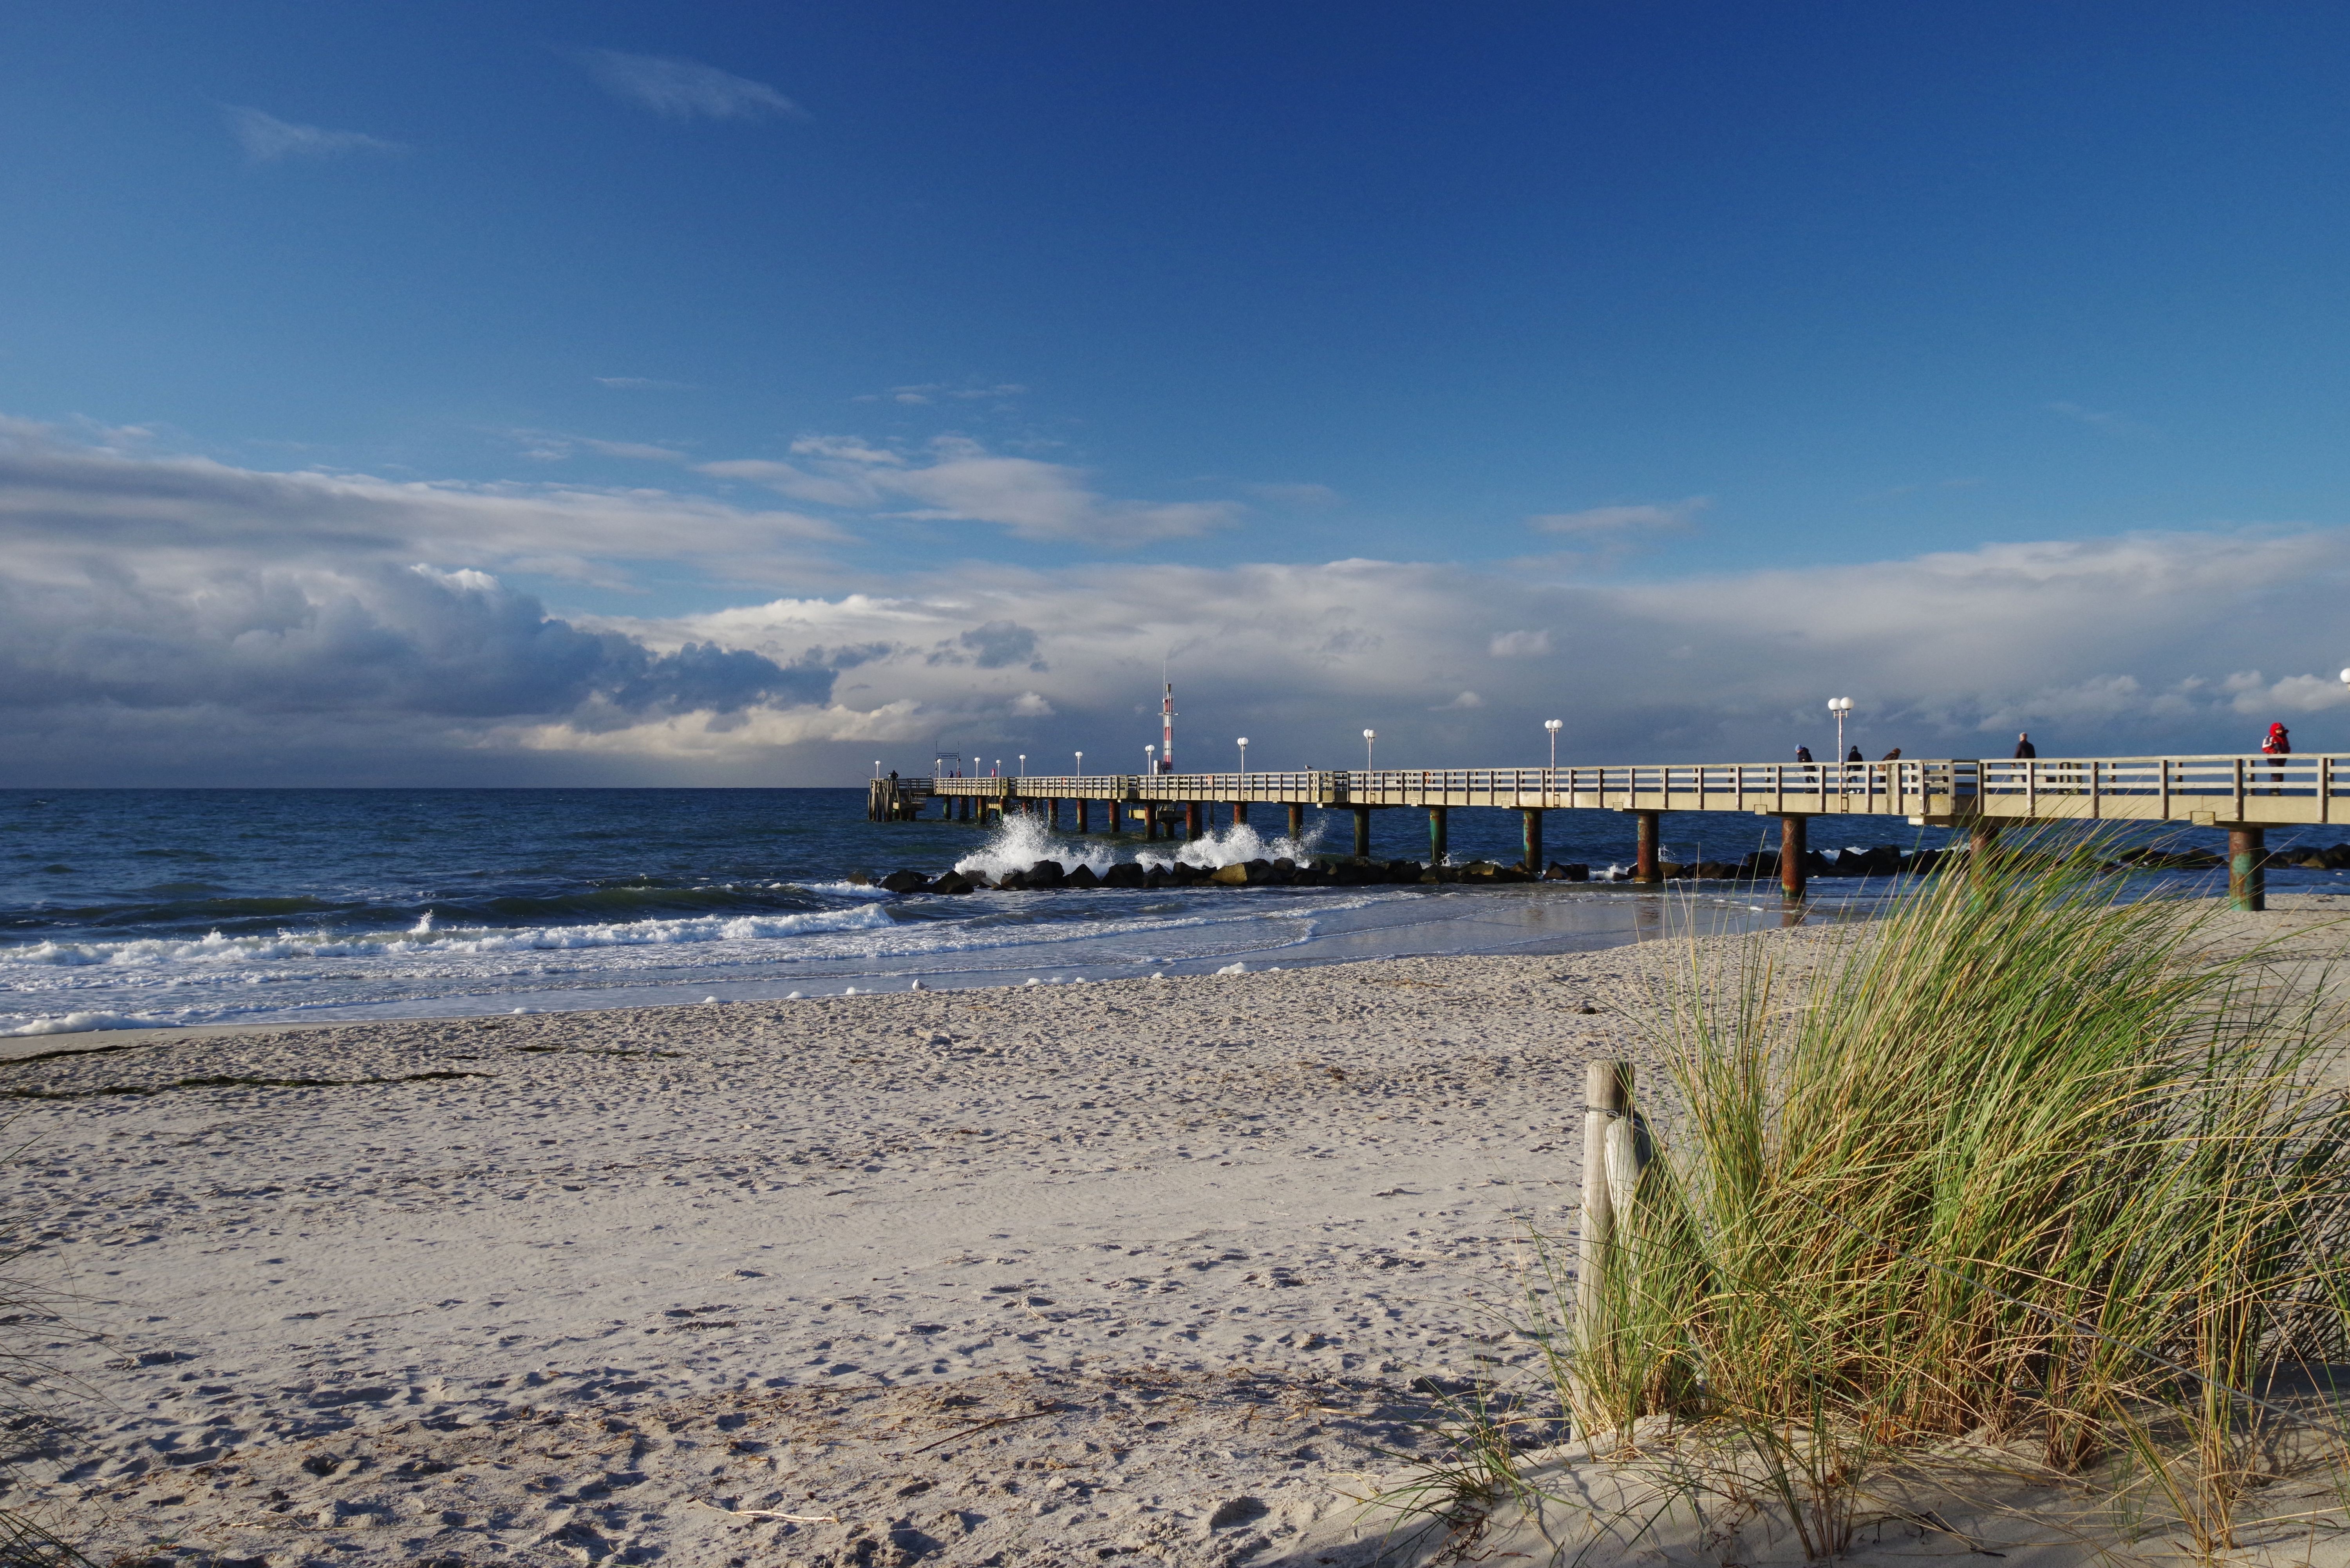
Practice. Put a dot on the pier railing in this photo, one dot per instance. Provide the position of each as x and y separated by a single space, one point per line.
2200 789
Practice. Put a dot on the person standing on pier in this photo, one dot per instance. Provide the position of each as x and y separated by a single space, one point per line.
2024 749
1803 756
2278 744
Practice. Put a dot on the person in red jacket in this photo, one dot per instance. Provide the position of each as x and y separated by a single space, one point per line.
2279 743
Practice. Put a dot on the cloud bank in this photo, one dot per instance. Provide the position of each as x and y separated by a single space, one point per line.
178 619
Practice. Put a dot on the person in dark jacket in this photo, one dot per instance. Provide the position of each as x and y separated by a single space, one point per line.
2023 746
1803 754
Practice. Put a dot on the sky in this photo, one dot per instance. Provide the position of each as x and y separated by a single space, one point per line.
616 394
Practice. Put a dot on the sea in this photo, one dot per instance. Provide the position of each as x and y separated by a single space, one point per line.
145 909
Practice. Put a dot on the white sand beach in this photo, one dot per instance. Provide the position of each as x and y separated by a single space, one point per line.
567 1288
1142 1271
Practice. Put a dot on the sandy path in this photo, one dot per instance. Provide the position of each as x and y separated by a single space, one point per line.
545 1289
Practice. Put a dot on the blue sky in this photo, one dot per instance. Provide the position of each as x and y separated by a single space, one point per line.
826 338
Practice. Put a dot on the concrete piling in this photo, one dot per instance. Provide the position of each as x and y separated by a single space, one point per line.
1297 824
1193 827
1792 847
1439 833
1240 814
1644 859
1533 841
2248 878
1362 832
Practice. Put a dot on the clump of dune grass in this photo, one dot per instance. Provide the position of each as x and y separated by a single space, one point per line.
2018 1167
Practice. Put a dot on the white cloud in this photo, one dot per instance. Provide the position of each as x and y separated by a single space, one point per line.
1461 704
1518 644
686 89
269 140
2095 419
960 481
1031 705
643 451
1645 518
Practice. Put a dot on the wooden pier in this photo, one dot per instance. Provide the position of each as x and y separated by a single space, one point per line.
2245 795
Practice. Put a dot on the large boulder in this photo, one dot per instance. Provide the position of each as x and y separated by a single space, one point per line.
952 882
1083 876
1125 874
1235 874
1046 874
904 882
1557 872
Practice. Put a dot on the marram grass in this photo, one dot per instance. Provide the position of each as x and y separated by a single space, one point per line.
2017 1163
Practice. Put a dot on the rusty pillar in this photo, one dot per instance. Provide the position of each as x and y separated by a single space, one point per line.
1532 839
1644 857
1297 824
1192 827
1084 814
1240 814
2247 877
1793 848
1362 833
1440 834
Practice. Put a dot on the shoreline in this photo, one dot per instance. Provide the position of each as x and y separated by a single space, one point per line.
1155 1269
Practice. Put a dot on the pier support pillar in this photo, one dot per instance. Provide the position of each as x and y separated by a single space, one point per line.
1362 833
1053 812
1297 824
1440 834
1149 819
2247 877
1982 837
1644 858
1240 814
1533 842
1193 827
1085 812
1792 847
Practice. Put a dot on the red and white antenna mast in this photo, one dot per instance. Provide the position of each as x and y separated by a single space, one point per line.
1167 724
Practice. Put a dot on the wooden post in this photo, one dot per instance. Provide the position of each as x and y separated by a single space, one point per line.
1533 837
1644 859
1607 1102
1792 847
1439 833
1296 824
2247 877
1362 833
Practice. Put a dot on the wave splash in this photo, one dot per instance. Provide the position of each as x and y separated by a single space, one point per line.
1234 846
424 939
1022 841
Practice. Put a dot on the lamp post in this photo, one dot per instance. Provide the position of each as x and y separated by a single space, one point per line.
877 767
1243 756
1839 706
1149 755
1368 736
1081 764
1553 726
1024 764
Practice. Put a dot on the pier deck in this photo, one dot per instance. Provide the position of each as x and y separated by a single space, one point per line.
2243 794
